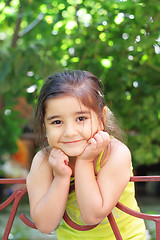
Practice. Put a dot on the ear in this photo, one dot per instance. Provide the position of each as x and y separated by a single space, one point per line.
104 114
104 117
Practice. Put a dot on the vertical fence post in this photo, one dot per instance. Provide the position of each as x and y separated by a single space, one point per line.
114 227
19 194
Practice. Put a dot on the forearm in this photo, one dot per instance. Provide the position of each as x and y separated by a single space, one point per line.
50 209
88 193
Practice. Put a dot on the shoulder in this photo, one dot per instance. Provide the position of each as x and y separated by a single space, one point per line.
115 173
117 147
116 166
40 158
118 155
40 165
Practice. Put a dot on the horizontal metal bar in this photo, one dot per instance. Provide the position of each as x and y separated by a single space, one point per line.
12 180
132 179
145 179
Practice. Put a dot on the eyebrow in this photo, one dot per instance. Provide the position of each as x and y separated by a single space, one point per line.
58 116
52 117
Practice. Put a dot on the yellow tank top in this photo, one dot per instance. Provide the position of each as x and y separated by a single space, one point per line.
130 227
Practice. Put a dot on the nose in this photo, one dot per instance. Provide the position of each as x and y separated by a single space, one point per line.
70 130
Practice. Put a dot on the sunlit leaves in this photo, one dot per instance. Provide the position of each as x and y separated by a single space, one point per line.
58 25
84 17
116 40
106 62
144 58
43 8
70 25
103 36
119 18
49 19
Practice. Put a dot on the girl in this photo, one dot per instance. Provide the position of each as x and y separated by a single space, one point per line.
83 154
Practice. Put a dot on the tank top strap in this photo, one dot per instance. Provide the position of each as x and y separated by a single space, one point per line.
99 161
97 166
100 157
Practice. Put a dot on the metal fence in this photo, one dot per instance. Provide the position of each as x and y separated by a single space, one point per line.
17 195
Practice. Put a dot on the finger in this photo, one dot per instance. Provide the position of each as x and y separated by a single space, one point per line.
99 140
106 137
65 162
92 142
57 157
56 152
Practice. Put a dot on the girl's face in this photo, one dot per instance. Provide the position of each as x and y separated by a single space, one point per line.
69 124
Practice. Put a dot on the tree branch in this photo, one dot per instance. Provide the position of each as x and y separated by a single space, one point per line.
19 19
152 66
7 4
77 8
31 25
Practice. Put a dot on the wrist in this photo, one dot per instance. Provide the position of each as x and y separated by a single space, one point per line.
62 182
80 162
84 158
60 177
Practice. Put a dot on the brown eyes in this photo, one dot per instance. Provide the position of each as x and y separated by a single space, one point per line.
79 119
57 122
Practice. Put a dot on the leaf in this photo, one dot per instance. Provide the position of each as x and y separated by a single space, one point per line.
5 69
21 63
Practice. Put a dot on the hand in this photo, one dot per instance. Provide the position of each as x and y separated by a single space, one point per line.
95 146
59 163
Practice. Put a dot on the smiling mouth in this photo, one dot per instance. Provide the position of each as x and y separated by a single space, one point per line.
72 142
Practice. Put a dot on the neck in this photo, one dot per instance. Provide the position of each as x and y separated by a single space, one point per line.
71 164
72 159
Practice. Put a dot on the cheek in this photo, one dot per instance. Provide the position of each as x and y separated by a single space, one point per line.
89 131
50 135
88 134
95 127
52 141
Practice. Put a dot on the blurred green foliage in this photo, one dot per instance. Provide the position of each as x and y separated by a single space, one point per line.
119 41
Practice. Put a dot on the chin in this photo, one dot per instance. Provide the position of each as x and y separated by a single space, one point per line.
73 153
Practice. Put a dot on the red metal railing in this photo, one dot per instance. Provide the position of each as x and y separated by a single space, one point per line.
18 194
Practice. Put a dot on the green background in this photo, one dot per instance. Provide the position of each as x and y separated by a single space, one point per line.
119 41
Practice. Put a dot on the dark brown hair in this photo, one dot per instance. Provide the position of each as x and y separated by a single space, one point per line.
86 87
